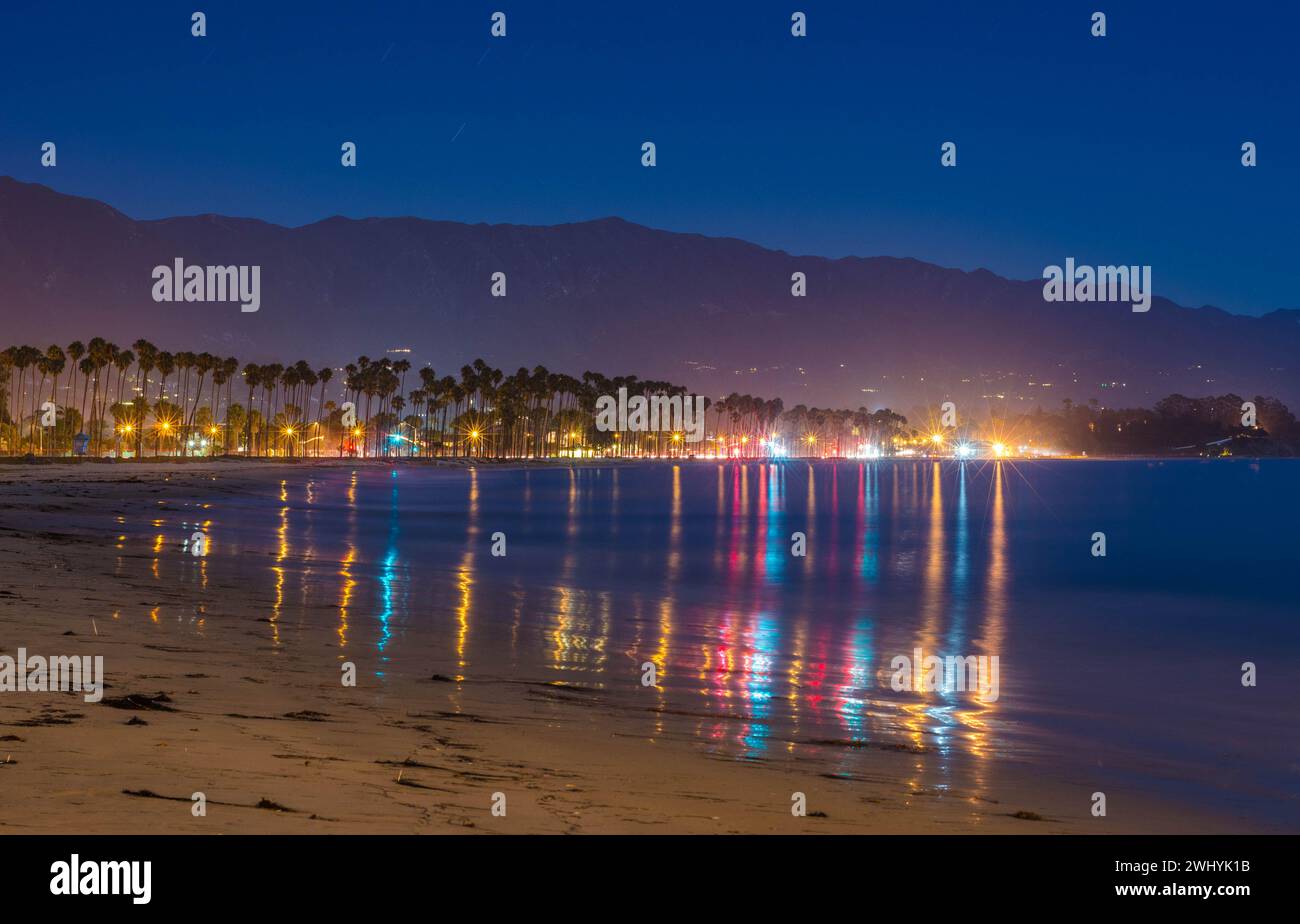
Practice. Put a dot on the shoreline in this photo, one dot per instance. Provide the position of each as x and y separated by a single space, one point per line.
239 463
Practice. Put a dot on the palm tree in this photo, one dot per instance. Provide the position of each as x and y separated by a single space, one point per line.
123 361
7 357
87 369
229 369
184 362
146 360
28 357
252 378
323 375
166 366
76 350
220 376
56 360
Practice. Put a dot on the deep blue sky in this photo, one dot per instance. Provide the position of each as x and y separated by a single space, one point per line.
1117 150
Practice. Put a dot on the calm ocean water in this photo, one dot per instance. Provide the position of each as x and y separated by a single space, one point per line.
1119 673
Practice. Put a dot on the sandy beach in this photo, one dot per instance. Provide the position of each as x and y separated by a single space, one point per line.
200 698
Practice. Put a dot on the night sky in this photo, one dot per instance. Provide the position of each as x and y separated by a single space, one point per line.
1124 149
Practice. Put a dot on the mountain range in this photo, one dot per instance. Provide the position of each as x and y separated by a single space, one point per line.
714 314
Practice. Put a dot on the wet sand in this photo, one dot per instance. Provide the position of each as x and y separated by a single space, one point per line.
198 701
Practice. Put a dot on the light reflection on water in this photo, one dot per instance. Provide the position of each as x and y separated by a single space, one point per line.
758 652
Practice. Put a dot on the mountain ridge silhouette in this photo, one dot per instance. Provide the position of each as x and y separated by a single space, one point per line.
715 314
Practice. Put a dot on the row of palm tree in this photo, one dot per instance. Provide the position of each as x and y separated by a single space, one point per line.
99 399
